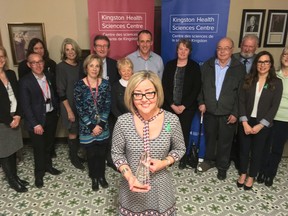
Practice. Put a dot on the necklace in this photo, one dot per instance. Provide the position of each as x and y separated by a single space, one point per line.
94 97
146 139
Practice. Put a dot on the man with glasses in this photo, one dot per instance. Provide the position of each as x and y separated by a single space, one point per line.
221 78
101 48
39 103
247 54
144 58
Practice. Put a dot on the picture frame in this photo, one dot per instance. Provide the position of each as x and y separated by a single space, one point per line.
276 28
252 23
20 35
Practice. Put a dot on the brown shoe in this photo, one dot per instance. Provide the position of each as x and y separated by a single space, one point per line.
204 166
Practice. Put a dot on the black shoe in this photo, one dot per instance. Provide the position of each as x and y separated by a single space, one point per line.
22 182
247 187
53 171
222 174
103 182
239 185
53 154
269 181
14 184
182 165
95 184
39 182
261 178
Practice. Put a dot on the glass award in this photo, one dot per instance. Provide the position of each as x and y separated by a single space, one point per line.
142 172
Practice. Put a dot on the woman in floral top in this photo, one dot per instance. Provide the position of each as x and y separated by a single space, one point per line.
93 99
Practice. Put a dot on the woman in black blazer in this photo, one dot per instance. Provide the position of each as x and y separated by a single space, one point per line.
259 101
10 132
181 83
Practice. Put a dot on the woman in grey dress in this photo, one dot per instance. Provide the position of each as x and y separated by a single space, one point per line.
150 130
67 74
10 132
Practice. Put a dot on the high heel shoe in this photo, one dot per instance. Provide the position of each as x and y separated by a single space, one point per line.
239 185
247 187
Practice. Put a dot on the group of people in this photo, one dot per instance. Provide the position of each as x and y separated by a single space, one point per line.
119 111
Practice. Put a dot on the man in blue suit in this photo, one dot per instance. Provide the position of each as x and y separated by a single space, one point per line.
40 108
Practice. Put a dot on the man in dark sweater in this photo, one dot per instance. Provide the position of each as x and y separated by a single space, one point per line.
221 79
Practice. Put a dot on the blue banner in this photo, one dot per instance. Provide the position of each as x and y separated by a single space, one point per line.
204 22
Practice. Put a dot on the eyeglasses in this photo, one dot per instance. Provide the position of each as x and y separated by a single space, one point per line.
225 49
285 55
98 46
148 95
41 62
267 62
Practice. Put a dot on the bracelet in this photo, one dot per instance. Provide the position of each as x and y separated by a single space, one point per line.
124 171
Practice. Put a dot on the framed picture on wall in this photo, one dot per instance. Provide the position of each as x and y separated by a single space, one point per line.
276 28
20 35
252 23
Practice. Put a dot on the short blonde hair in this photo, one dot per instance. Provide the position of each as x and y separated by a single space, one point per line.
124 62
284 51
6 65
89 59
135 80
74 45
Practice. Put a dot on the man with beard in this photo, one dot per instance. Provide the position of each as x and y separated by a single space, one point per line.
249 46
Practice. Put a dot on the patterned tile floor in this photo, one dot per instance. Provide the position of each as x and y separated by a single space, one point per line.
197 193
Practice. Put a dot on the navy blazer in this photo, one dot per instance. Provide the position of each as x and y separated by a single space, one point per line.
268 103
5 116
32 100
191 86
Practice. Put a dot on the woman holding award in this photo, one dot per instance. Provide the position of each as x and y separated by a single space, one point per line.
146 131
93 99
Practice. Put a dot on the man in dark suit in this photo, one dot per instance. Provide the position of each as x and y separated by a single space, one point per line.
253 27
40 104
221 79
110 72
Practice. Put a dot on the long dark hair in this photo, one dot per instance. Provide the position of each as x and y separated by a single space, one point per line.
31 45
252 77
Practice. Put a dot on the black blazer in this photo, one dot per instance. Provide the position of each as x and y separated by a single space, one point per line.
268 103
32 100
191 86
112 71
5 116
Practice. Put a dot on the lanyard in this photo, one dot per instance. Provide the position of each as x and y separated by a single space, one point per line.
94 96
47 90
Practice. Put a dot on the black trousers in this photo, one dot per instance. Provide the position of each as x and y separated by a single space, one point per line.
219 136
251 149
42 145
185 120
96 158
274 147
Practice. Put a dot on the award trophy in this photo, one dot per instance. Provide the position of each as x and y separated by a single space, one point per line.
142 172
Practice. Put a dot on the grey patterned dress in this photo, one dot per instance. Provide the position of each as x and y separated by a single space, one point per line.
127 147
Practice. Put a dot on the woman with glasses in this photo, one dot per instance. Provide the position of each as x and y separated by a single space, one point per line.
92 96
258 103
181 83
147 131
67 74
10 116
275 144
